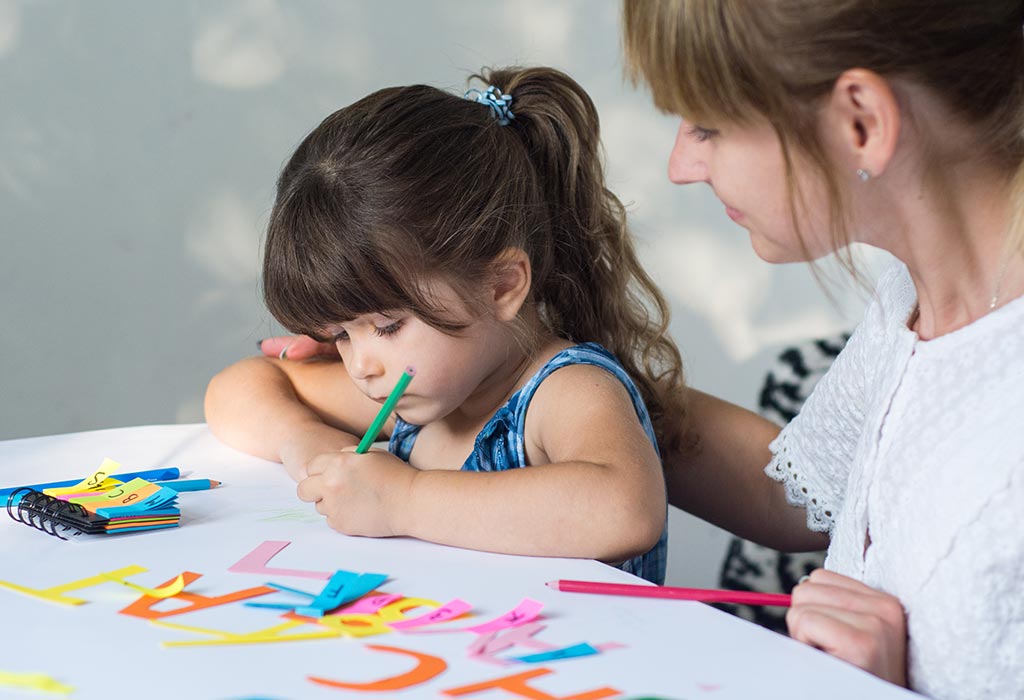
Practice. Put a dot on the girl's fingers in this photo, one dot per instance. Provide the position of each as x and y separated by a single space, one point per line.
308 490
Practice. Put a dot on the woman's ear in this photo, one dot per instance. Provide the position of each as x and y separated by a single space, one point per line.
863 117
511 279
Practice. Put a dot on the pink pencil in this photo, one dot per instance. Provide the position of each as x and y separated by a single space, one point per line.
703 595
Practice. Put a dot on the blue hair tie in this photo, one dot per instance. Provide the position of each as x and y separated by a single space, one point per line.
497 102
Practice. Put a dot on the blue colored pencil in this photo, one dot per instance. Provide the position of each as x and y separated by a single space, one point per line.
148 475
192 484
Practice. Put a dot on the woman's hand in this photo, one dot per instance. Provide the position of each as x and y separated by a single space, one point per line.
360 494
853 622
296 347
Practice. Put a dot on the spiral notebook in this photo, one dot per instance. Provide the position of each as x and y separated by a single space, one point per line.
109 507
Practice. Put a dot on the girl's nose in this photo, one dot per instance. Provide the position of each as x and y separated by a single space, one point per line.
363 364
685 163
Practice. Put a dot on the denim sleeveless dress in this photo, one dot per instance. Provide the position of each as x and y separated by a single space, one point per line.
500 445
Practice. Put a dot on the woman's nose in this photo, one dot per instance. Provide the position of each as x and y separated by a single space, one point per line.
685 163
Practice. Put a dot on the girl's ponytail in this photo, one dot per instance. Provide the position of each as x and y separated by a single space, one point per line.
588 282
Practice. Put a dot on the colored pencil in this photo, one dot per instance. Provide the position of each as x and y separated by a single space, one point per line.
148 475
702 595
192 484
385 411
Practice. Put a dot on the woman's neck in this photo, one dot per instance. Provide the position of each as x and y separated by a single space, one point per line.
954 244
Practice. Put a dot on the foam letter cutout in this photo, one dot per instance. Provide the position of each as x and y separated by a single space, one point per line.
264 636
255 562
395 612
53 595
34 681
518 684
429 667
176 587
354 624
143 606
526 611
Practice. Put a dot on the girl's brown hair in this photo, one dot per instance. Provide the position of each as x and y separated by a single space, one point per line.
413 184
732 60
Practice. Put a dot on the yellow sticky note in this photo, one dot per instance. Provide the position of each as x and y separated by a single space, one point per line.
34 681
98 481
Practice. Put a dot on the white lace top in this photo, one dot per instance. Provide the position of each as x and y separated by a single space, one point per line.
910 454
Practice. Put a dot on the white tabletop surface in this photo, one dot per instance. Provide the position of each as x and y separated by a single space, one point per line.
677 650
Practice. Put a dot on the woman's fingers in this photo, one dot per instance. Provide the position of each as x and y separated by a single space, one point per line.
296 347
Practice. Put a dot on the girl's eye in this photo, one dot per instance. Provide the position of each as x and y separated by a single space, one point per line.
701 134
390 329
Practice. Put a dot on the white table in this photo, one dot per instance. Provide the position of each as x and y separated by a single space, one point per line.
673 649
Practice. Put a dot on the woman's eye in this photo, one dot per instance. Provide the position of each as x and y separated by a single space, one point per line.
341 337
700 133
390 329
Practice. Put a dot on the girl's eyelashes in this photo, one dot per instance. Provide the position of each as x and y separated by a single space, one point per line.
380 331
389 329
700 133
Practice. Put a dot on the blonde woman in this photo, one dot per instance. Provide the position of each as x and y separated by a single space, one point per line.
899 124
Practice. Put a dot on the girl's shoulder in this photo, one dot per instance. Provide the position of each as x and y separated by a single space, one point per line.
585 372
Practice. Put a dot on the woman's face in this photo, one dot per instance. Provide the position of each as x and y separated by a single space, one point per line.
745 167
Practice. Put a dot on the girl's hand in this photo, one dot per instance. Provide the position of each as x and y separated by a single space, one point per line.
853 622
296 347
360 494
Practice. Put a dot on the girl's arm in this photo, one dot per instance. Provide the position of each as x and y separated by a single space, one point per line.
595 489
721 478
287 412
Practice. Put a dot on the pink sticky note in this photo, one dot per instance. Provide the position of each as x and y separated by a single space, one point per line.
495 642
255 562
527 610
448 611
370 604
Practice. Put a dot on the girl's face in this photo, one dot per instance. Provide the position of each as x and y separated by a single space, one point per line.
745 168
450 370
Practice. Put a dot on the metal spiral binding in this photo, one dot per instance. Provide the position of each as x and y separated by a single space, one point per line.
45 513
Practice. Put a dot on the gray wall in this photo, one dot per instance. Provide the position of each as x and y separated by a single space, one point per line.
140 141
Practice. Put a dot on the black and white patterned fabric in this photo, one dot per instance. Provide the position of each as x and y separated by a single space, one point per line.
751 567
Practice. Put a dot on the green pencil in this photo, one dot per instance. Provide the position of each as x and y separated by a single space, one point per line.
375 427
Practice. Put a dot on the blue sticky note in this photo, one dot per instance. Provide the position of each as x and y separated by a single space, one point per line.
344 586
572 652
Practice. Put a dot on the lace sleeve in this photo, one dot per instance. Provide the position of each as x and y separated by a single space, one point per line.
813 453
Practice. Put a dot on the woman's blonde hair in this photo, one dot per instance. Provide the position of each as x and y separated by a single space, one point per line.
733 60
413 184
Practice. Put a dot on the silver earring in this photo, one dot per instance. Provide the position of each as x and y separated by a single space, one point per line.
863 174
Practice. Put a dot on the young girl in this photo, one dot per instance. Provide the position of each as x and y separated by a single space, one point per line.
897 124
474 240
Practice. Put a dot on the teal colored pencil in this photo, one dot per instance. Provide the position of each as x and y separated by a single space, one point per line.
378 423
